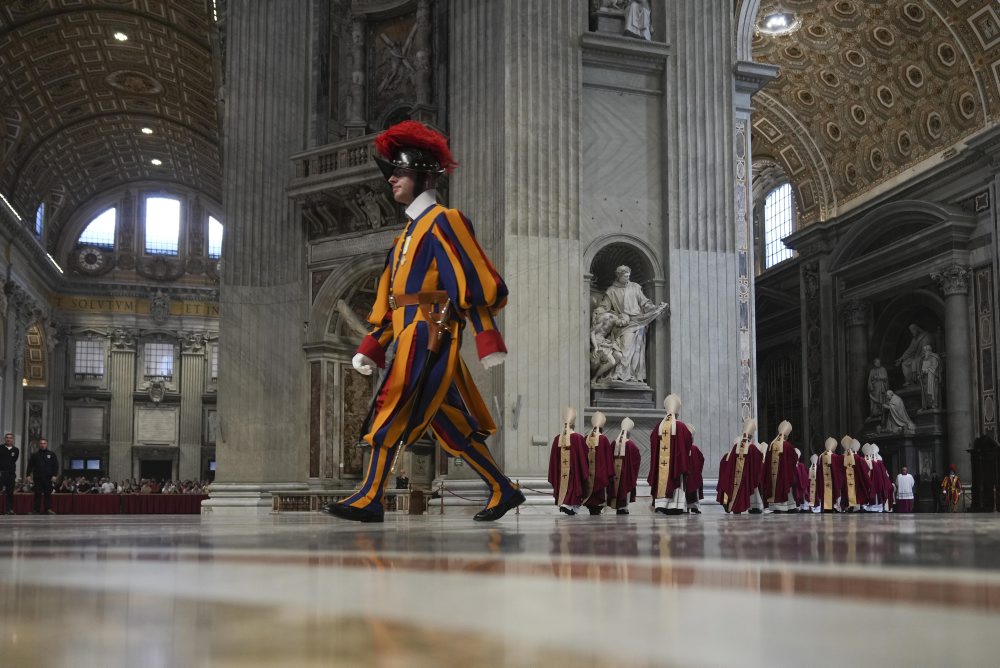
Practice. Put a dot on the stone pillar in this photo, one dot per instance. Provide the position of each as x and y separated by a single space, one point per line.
355 124
262 443
954 284
192 387
422 53
55 340
855 315
515 74
121 380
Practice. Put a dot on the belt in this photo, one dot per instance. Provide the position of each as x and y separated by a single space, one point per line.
429 297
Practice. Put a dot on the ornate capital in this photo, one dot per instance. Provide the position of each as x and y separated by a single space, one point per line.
953 280
123 340
193 343
855 313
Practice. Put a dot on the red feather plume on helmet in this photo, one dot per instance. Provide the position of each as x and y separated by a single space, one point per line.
414 134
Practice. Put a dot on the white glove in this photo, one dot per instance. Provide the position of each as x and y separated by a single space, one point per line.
493 359
363 364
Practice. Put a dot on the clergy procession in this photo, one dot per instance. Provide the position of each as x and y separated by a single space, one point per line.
594 473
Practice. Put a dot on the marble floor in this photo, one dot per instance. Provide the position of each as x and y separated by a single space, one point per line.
302 589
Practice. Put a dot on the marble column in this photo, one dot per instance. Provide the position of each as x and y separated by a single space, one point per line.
121 380
262 444
855 315
954 284
515 74
355 124
192 387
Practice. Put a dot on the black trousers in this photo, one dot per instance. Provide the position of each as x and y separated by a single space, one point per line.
43 487
7 484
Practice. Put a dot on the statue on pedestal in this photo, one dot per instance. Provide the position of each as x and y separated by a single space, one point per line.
895 419
878 383
930 379
909 361
638 21
634 312
605 353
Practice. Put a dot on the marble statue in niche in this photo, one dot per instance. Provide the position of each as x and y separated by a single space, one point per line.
398 67
878 383
633 312
895 419
638 21
605 353
930 379
909 362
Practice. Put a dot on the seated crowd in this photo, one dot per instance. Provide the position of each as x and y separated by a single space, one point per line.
83 485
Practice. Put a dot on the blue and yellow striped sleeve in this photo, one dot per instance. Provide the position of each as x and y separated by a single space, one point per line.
470 279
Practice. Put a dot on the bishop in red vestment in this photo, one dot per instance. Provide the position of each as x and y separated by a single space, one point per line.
626 469
694 482
600 465
829 479
568 466
669 445
780 471
856 488
743 475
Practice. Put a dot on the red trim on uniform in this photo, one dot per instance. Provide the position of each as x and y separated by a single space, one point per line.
489 342
371 349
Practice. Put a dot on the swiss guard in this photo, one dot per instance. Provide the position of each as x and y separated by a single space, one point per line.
436 279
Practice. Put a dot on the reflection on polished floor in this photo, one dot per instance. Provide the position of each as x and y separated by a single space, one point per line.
531 590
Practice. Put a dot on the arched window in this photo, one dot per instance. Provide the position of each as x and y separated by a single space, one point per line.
777 225
214 238
101 230
40 220
163 225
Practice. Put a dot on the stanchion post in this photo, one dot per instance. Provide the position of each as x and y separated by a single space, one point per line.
517 511
442 496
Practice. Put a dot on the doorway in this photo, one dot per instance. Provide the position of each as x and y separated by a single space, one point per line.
156 469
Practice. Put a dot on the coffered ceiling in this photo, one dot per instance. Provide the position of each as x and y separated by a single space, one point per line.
74 98
869 90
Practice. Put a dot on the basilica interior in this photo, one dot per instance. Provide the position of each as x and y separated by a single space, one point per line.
777 210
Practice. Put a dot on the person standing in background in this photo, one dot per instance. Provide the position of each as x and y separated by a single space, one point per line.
8 469
43 467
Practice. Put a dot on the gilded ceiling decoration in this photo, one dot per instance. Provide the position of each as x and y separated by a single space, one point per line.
868 90
74 98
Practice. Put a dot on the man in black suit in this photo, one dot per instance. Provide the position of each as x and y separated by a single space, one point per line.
8 469
43 467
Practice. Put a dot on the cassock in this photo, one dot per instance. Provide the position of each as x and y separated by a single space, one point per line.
780 474
568 469
669 447
856 488
829 482
743 475
600 469
694 483
626 474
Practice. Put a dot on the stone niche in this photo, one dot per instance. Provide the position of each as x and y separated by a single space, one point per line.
620 357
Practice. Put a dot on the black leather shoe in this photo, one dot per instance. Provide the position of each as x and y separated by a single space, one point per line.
696 510
594 510
11 512
499 510
662 511
756 511
568 511
622 511
354 514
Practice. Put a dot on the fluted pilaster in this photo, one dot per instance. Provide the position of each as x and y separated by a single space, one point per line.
262 379
122 383
192 387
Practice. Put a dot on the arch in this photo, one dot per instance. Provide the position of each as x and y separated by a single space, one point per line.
343 279
649 257
746 24
892 220
619 249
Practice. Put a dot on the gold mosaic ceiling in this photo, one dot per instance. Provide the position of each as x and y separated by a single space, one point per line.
73 100
870 89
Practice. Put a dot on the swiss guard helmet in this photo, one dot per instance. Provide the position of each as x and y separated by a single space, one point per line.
414 146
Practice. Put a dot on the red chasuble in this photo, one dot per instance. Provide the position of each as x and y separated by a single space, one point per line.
743 474
779 471
626 476
859 493
599 476
568 470
678 448
882 483
802 489
694 484
829 480
724 471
